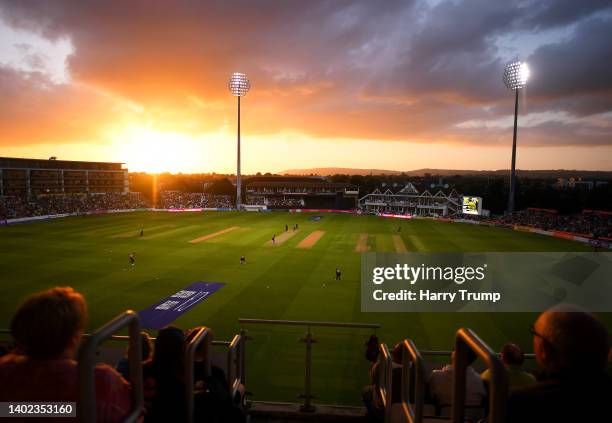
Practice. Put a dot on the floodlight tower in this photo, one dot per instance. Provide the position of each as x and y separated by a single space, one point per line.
239 85
515 78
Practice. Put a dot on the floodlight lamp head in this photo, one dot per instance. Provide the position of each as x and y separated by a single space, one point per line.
239 84
516 75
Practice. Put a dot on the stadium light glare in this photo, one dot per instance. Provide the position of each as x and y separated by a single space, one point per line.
238 85
516 75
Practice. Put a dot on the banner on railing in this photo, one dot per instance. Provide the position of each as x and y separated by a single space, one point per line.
396 216
323 211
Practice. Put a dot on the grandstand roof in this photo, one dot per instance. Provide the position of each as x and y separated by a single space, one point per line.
22 163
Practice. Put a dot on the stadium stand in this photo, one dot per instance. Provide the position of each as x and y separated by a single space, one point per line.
57 204
33 187
284 192
590 223
27 177
408 200
180 383
194 200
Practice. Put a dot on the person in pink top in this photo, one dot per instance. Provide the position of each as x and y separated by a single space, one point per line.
47 330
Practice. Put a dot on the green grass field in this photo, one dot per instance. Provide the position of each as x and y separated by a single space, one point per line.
278 282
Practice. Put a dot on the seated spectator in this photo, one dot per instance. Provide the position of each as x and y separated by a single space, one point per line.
47 329
369 394
396 374
213 401
513 358
440 384
163 376
123 366
571 348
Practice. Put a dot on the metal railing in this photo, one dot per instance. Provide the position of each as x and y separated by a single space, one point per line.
466 340
385 380
203 335
416 372
86 364
234 358
308 339
442 353
235 362
412 368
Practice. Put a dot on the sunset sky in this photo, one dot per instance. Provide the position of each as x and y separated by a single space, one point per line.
369 84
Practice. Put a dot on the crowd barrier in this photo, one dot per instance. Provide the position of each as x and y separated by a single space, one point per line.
202 337
309 340
87 394
58 216
199 209
396 216
466 340
324 211
411 407
102 212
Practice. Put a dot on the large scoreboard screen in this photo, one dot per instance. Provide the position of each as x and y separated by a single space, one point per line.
472 205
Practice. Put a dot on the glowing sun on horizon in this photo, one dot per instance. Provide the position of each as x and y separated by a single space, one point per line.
149 150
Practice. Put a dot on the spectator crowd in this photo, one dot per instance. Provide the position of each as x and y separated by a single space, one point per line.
572 381
47 329
276 202
194 200
42 205
598 225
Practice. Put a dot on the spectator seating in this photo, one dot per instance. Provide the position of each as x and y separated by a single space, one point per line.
43 205
586 224
201 341
194 200
412 408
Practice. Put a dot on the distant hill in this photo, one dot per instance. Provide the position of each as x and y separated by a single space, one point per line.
552 173
325 171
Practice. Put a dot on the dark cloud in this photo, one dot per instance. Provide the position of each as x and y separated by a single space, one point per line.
581 65
395 70
540 15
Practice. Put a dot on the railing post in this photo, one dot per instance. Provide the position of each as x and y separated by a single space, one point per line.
233 365
412 356
307 395
243 339
204 335
86 407
498 394
384 383
307 339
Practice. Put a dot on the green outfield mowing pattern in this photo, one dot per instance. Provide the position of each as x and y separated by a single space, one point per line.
278 282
